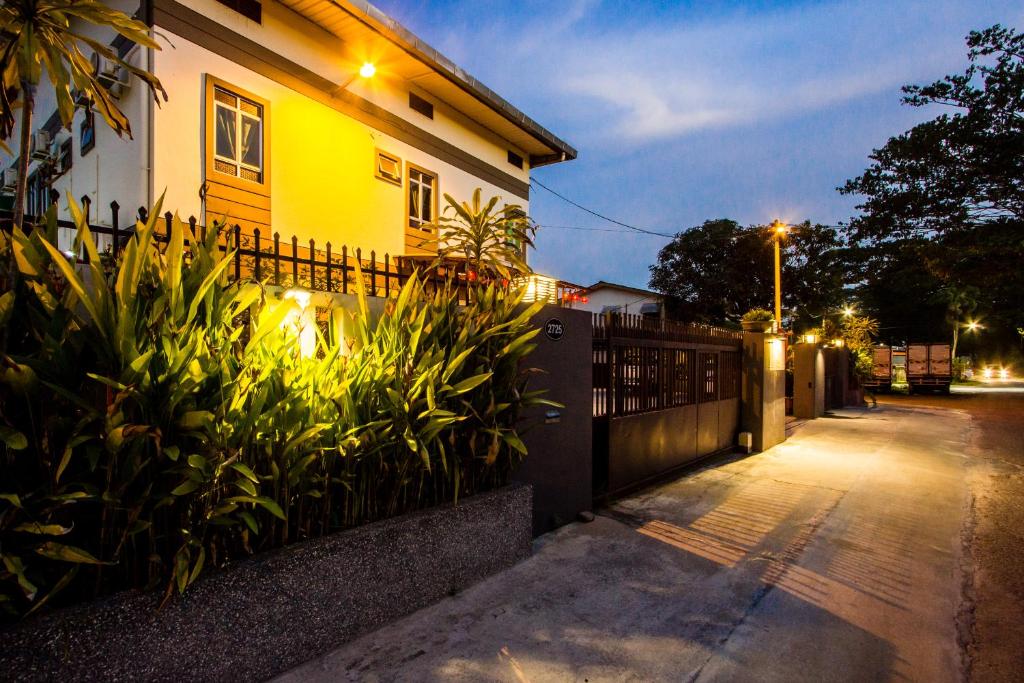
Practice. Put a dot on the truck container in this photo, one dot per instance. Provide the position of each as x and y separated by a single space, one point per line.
881 369
929 367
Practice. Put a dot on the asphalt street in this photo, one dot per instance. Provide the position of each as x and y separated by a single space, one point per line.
993 600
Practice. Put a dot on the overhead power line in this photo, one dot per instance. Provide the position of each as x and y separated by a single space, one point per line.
645 231
620 231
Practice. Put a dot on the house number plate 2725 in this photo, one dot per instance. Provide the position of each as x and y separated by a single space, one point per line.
554 329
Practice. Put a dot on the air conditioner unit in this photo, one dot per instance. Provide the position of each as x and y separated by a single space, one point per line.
110 74
10 180
40 148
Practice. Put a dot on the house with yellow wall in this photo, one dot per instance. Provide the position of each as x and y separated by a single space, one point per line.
321 119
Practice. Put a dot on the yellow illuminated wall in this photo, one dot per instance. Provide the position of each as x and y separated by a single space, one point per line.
322 162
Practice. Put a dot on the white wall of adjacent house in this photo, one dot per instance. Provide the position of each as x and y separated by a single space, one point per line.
626 301
115 168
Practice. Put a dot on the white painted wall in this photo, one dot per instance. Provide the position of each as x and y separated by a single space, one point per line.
115 169
631 302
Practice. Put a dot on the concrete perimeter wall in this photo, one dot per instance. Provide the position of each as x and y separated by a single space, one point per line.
559 463
277 610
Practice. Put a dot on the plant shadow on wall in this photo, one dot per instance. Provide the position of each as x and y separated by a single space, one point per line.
157 418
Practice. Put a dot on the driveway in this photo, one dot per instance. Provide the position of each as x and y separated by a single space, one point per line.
834 556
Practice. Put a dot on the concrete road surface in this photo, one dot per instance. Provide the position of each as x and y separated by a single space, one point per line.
835 556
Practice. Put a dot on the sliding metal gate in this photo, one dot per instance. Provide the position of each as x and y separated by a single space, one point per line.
665 395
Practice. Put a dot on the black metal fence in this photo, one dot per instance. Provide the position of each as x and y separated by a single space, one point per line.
267 257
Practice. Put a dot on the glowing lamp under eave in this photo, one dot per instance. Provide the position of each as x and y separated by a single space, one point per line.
367 70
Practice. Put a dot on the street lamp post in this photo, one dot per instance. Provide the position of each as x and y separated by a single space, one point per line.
778 232
971 326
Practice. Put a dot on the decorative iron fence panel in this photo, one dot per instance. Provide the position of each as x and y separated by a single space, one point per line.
268 258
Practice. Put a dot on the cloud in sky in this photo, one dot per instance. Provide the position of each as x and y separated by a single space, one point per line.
685 111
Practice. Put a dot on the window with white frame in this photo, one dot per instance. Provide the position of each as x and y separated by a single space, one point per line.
238 136
421 198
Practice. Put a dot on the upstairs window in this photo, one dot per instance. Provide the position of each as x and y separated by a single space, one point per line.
238 136
421 197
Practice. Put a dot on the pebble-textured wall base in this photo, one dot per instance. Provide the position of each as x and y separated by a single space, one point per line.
272 612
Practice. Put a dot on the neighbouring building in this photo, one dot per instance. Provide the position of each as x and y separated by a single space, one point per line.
608 297
323 119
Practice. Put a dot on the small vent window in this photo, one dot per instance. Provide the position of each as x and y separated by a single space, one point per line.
250 9
515 159
388 167
417 103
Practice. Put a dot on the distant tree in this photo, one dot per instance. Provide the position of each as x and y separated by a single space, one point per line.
943 207
717 271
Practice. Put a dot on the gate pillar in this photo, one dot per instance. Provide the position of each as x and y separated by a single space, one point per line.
808 380
763 412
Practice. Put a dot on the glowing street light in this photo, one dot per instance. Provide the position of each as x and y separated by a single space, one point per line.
970 326
848 311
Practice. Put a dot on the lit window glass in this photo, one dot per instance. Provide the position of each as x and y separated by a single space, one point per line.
238 133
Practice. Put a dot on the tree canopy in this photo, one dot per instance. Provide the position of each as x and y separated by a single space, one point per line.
717 271
941 228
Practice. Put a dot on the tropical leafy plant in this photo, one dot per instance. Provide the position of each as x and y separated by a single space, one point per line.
47 34
492 241
157 418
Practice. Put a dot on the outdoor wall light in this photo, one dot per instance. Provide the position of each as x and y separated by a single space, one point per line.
367 70
810 339
302 320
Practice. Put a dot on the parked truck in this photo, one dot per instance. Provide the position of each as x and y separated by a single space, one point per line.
929 366
881 370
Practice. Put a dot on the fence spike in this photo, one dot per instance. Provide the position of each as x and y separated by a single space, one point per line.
115 233
295 261
329 288
277 258
312 264
344 269
256 252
